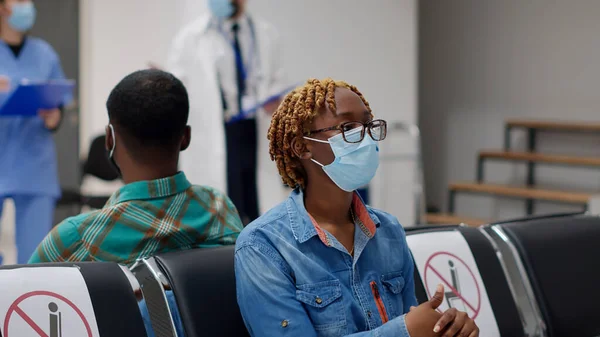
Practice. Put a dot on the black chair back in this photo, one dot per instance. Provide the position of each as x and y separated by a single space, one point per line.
98 163
114 294
203 281
560 258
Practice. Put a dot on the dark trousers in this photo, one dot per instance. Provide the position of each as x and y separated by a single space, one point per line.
241 139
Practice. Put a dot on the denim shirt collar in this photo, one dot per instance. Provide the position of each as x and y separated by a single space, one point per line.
304 227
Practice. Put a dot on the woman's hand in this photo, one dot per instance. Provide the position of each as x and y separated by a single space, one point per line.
424 320
421 320
51 118
457 323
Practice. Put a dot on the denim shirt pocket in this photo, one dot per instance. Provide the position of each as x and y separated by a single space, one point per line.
393 284
323 303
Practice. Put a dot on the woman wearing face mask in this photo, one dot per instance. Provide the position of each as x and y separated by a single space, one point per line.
322 263
28 171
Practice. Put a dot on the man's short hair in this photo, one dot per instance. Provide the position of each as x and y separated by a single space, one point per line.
151 107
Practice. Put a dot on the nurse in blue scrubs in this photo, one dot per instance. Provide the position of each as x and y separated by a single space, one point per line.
28 170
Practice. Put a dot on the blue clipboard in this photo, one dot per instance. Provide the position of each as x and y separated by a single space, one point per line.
250 112
29 97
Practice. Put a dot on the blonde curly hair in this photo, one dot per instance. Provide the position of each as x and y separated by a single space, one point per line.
290 120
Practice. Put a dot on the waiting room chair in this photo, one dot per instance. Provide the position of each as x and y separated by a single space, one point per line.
203 282
97 165
114 292
433 252
156 287
557 258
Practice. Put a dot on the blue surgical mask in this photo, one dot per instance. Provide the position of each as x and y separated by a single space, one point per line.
222 9
22 17
355 164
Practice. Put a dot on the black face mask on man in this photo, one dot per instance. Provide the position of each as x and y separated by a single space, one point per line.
111 152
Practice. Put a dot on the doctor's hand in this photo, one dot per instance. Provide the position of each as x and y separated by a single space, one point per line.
272 106
154 66
51 118
4 84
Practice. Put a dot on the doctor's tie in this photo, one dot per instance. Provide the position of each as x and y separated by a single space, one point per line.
239 66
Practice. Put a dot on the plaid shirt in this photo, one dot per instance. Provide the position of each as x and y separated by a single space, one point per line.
143 219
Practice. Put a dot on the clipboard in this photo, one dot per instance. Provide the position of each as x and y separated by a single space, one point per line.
250 112
29 97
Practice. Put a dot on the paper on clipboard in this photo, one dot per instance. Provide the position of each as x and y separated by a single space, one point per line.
252 109
31 96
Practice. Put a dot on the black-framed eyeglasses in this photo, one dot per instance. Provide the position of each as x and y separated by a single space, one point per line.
377 129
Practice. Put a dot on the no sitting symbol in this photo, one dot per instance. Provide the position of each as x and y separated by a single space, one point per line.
462 290
45 314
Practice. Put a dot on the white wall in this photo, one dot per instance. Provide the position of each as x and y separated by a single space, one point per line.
117 38
371 46
485 61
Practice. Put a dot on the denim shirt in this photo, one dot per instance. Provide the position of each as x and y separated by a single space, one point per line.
295 279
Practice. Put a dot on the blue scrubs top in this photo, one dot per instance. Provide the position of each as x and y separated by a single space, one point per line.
27 151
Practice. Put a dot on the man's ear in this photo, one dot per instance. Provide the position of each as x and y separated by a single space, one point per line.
300 149
187 138
108 140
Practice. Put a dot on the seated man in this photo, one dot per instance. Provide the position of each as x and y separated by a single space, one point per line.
158 210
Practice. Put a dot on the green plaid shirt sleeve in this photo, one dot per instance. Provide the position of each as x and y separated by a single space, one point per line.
143 219
58 245
228 214
226 223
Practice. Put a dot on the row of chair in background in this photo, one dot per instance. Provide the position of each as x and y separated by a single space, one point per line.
540 275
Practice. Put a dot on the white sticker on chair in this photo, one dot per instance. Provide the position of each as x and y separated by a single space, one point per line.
445 258
45 302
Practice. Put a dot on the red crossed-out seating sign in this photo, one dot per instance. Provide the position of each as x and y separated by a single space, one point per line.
55 310
461 286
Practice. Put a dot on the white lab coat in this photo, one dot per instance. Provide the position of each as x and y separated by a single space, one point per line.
193 59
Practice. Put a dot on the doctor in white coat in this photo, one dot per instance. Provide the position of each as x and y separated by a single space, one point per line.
230 63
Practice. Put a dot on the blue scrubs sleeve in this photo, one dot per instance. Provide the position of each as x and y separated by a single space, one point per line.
57 73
